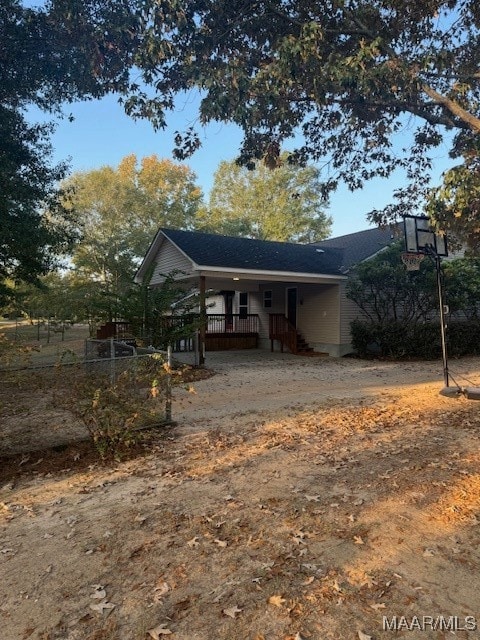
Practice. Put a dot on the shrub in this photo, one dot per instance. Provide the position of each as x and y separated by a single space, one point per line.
398 340
113 413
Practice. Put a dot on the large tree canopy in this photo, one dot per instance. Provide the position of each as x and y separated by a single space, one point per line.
346 74
62 52
118 211
284 205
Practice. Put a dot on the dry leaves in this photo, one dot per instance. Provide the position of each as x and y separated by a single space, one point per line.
276 600
232 612
160 630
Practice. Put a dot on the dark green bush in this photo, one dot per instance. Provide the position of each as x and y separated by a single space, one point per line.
399 340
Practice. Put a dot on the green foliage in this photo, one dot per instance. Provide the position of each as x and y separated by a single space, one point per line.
399 308
49 55
384 291
161 315
455 205
284 204
398 340
345 78
118 212
462 284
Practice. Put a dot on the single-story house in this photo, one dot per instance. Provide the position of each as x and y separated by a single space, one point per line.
268 294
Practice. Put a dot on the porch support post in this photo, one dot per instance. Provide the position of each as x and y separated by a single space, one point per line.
203 321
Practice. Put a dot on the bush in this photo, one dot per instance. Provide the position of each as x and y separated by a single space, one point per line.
399 340
113 413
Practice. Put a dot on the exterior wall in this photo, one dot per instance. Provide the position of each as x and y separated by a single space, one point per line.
318 314
169 259
278 306
348 312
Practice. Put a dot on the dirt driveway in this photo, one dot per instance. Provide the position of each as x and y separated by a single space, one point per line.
295 499
256 380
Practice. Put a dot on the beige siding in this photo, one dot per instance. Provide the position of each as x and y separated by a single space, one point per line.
349 311
318 313
169 259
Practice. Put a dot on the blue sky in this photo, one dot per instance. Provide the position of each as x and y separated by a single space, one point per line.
101 134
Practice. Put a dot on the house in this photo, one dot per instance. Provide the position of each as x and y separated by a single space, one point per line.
269 294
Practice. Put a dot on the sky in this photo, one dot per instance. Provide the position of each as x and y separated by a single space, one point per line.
102 134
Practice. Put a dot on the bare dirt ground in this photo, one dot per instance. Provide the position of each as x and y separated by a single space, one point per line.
296 498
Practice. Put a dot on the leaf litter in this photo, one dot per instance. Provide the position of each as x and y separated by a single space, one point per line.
363 500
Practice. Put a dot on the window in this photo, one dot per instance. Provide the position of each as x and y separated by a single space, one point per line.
267 299
243 304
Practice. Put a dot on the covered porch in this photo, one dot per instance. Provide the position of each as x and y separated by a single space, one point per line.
253 293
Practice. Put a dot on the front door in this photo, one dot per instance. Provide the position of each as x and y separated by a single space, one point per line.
228 297
292 305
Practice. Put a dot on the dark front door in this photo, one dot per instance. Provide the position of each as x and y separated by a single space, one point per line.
228 296
292 306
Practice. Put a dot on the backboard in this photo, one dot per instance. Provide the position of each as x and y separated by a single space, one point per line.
421 238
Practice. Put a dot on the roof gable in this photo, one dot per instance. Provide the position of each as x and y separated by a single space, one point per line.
208 249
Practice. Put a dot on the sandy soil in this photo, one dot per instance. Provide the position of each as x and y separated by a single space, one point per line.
297 498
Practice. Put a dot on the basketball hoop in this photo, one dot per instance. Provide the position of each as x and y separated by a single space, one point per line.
412 260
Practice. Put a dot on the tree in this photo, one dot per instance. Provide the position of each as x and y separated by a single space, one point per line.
385 292
455 205
284 205
48 56
30 239
349 75
399 313
118 211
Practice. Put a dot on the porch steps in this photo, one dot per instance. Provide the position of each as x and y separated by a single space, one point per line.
304 349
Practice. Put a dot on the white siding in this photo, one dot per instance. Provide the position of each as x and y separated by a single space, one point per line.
169 259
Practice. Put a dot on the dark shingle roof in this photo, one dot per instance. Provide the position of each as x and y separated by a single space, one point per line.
214 250
361 245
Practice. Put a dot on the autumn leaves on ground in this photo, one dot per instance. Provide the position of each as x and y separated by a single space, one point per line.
281 521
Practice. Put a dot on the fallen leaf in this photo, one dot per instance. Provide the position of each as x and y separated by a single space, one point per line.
139 518
101 607
231 612
221 543
161 630
193 542
277 600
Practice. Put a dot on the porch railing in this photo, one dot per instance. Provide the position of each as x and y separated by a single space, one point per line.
281 329
232 323
216 323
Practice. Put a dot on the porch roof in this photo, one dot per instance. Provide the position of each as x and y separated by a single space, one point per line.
218 254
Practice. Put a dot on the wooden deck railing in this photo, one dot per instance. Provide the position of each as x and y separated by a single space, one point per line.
216 323
281 329
117 330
